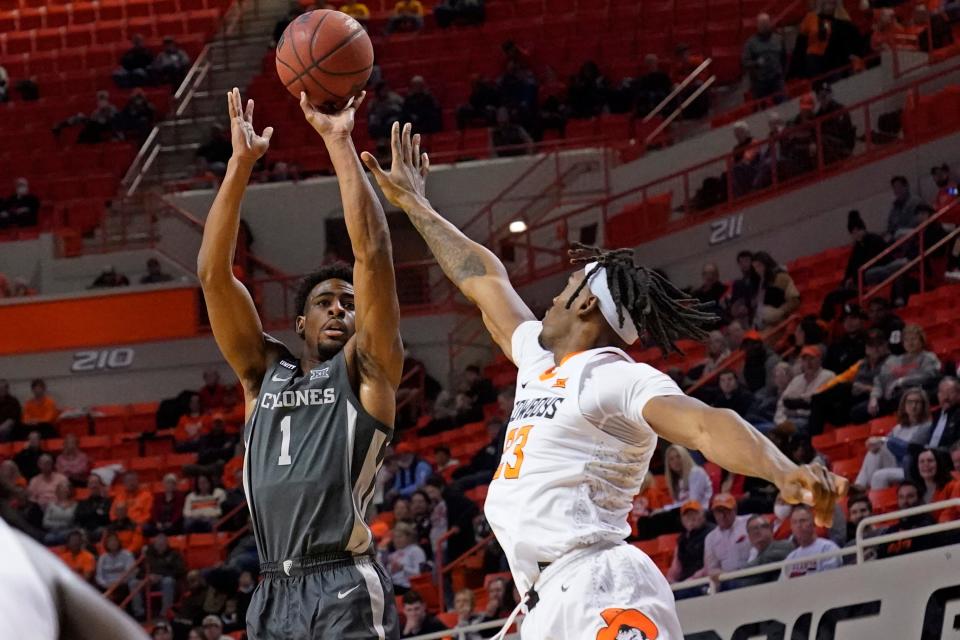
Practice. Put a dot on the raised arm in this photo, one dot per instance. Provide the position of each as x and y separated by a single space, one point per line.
378 360
726 439
473 268
233 316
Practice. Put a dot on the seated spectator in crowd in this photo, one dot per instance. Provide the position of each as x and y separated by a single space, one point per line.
356 10
764 550
808 544
651 87
212 392
407 559
866 247
112 564
727 547
213 154
798 142
930 470
420 106
164 568
837 132
97 127
931 29
412 471
850 347
944 430
135 65
909 494
717 352
28 458
109 278
171 64
481 107
587 91
886 30
744 289
59 516
468 12
858 508
191 426
418 621
479 470
746 159
649 501
881 317
915 368
730 395
947 191
22 208
40 412
93 513
136 500
686 480
203 506
443 463
420 512
478 386
764 58
509 138
72 462
135 120
826 41
216 446
500 601
155 273
711 289
126 529
10 412
794 404
42 488
777 296
689 554
77 558
407 16
766 400
464 606
902 217
167 516
685 62
161 631
386 108
881 466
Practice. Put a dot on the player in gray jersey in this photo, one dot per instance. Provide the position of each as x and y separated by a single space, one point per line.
318 422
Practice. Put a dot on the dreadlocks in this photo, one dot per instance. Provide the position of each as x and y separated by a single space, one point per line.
659 310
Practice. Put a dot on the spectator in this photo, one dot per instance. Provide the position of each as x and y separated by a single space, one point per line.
407 16
110 277
93 513
10 412
192 426
882 318
4 84
587 91
356 10
40 411
385 109
903 212
684 64
746 159
767 399
481 107
866 247
170 65
808 544
518 89
764 57
764 550
213 154
22 208
443 463
420 106
78 559
167 515
827 41
689 554
97 127
59 515
794 404
245 587
155 273
135 120
850 347
727 547
798 142
412 472
479 470
851 387
837 132
886 30
711 290
190 607
651 87
112 564
858 508
215 447
944 430
777 296
161 631
469 12
508 137
135 65
73 462
930 470
213 628
744 289
932 30
418 621
202 506
42 488
407 559
946 186
136 501
28 458
126 529
164 568
420 511
881 466
909 495
686 480
730 395
915 368
500 601
463 605
212 392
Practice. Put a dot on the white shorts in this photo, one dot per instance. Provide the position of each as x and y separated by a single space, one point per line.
613 593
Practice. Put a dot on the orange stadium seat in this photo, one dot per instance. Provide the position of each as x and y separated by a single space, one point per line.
848 468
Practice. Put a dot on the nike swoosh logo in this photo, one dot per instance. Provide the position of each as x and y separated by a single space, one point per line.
343 594
276 379
523 385
564 588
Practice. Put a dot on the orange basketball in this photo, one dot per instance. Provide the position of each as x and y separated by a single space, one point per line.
327 54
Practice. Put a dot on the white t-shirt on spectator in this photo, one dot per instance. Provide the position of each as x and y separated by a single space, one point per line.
727 550
820 545
410 559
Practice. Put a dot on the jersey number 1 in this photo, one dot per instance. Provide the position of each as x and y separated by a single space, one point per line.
516 438
284 458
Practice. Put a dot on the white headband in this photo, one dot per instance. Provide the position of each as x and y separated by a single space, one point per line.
608 308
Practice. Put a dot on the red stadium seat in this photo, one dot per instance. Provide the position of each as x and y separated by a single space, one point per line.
83 13
847 468
57 17
95 446
110 11
80 35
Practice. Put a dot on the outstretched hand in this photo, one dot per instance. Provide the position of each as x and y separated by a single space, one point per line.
332 124
409 167
247 145
813 485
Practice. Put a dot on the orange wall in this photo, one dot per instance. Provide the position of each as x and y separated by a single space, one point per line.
118 318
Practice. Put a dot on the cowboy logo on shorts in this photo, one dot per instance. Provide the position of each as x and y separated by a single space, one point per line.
627 624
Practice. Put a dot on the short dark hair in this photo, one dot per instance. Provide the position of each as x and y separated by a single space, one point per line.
436 481
725 372
909 482
902 180
37 382
861 498
445 449
801 507
758 516
335 270
745 254
412 597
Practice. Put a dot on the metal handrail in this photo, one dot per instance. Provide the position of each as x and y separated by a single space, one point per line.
676 90
923 508
438 558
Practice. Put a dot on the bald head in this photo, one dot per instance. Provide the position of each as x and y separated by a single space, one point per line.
764 24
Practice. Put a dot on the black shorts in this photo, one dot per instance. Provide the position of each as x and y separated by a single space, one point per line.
334 596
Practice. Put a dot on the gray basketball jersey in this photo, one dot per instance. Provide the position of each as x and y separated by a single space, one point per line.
311 462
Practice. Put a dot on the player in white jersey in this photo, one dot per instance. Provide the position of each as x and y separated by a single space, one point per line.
585 424
41 599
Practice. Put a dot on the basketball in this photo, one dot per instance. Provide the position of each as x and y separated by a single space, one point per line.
328 55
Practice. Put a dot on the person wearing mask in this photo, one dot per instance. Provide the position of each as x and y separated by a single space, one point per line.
882 465
808 544
915 368
764 57
763 550
22 209
794 404
777 296
73 462
689 555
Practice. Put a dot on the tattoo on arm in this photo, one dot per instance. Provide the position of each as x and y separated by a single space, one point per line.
458 256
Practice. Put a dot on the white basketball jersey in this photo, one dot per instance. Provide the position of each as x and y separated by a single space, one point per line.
26 605
576 451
